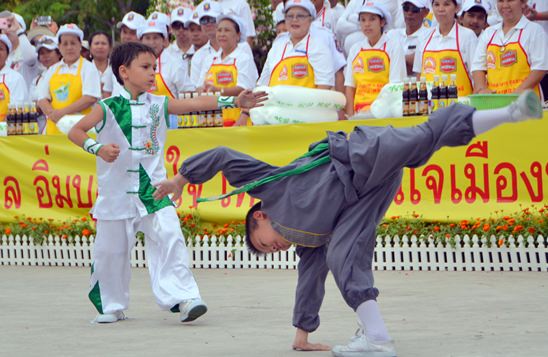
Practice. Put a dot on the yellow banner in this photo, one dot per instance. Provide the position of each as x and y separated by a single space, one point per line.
500 172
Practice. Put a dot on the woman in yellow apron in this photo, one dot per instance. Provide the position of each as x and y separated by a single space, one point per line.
299 57
448 49
13 89
232 69
372 62
511 55
73 85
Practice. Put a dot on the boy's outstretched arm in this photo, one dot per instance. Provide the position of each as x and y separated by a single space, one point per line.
246 99
78 135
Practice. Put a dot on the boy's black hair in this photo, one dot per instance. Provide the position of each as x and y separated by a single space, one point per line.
250 226
124 54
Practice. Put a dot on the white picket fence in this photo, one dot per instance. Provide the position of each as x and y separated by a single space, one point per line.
405 253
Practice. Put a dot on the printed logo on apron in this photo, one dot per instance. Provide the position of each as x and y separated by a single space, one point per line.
491 60
375 65
283 74
508 58
62 92
225 78
299 70
358 67
429 65
448 65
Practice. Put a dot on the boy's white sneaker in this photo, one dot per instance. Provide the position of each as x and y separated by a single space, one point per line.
191 309
527 106
360 346
110 318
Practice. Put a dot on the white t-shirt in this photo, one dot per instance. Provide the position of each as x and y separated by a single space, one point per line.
197 62
410 42
339 59
533 35
173 73
241 9
106 78
247 71
16 85
394 50
91 83
326 17
467 45
319 56
184 56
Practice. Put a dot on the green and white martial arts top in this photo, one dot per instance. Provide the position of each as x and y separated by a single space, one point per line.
139 128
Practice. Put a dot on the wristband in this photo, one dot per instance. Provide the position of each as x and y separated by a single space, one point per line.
92 146
226 102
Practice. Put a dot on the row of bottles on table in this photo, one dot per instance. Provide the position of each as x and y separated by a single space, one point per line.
202 119
415 98
22 119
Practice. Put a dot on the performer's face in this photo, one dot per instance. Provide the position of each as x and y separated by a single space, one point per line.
264 237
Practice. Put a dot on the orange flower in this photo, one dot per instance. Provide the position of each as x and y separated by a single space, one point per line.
511 221
531 230
501 242
486 227
436 228
64 236
464 222
415 215
517 228
506 218
86 232
225 225
452 225
447 235
7 231
541 210
83 219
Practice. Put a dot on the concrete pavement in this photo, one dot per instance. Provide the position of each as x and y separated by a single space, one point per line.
45 312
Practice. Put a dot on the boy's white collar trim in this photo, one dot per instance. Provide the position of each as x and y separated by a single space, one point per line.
126 94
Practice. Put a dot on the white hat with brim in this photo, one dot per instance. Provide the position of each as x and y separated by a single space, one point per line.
209 8
374 7
152 27
159 17
305 4
180 14
48 42
469 4
70 29
421 4
193 19
132 21
278 14
237 21
5 40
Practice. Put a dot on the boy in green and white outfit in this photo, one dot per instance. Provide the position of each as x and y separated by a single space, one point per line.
131 131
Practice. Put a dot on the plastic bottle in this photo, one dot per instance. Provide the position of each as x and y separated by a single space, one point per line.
413 98
452 91
423 97
443 91
405 99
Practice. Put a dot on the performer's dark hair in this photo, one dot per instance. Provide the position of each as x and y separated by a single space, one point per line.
250 226
124 54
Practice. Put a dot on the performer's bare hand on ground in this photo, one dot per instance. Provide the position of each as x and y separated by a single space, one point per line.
172 186
109 152
247 99
301 343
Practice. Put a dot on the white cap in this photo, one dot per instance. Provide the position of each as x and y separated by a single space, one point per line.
237 21
6 41
305 4
375 7
157 16
193 19
278 14
152 26
47 42
20 20
468 4
209 8
180 14
70 29
459 2
421 4
132 20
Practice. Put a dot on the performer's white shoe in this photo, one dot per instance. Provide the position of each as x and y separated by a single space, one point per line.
527 106
360 346
191 309
110 318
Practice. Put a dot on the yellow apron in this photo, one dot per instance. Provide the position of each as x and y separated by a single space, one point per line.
446 62
4 99
64 90
225 76
507 66
160 87
371 71
293 71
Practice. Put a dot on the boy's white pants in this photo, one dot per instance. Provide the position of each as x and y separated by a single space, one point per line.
166 255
